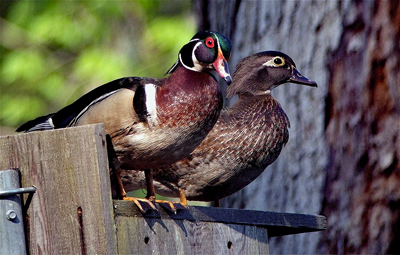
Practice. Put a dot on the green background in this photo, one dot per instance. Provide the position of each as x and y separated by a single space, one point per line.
52 52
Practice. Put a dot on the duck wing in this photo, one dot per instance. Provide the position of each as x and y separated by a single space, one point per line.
71 114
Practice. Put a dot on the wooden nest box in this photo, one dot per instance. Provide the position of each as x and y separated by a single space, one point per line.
72 211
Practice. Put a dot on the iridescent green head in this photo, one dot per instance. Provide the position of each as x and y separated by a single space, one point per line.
206 51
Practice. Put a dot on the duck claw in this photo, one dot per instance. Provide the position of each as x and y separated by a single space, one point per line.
168 205
171 206
143 204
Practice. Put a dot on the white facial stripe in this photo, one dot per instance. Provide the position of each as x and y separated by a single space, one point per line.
270 63
151 105
219 46
197 66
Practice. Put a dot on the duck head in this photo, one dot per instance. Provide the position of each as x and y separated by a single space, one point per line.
261 72
206 51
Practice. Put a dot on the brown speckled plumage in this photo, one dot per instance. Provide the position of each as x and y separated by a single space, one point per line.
239 141
247 137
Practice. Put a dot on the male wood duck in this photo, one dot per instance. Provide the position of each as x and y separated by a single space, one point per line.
247 137
154 122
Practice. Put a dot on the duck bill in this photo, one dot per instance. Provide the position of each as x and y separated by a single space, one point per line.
298 78
221 66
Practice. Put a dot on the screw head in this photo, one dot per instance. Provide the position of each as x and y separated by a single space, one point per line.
11 215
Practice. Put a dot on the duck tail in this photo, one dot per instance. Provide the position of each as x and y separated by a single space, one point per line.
38 124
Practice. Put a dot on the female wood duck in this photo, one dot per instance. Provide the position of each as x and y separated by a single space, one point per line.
154 122
247 137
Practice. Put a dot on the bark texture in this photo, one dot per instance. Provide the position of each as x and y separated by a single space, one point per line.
363 184
343 156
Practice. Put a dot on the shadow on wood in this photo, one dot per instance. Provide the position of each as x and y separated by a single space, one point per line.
73 212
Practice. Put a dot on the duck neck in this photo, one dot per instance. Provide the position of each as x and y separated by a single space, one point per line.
186 91
183 79
247 100
256 108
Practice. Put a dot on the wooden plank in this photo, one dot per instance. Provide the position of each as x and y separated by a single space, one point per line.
278 224
71 211
137 235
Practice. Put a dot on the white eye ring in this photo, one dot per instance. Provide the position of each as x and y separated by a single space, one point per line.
272 63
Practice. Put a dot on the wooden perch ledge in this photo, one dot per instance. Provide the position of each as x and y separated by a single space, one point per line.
72 210
278 224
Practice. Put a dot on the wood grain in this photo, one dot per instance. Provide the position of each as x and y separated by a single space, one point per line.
169 236
205 230
71 211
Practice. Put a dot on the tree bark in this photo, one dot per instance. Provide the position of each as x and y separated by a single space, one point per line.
343 156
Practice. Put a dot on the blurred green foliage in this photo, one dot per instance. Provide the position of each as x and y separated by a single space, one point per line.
52 52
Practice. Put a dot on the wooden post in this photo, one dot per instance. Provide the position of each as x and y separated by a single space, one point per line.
12 240
72 211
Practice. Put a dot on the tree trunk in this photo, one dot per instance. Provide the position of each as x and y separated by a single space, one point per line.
343 156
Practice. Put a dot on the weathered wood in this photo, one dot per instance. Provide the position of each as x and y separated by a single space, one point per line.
205 230
12 238
168 236
199 230
71 211
278 224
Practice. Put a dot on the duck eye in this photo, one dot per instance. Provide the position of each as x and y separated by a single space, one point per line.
210 42
278 61
275 62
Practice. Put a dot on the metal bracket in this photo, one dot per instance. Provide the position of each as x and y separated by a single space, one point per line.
30 190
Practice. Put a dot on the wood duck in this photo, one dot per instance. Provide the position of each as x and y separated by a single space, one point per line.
154 122
247 137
